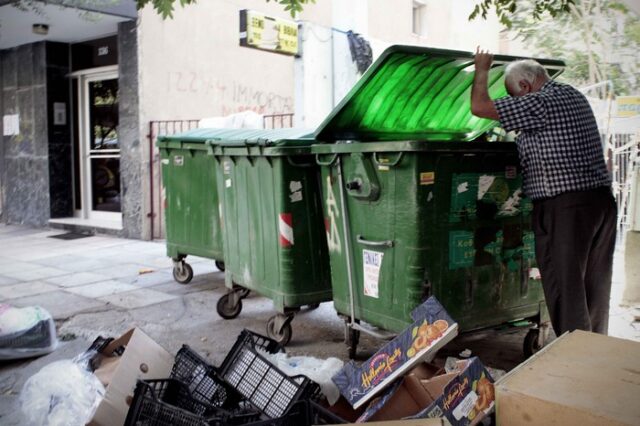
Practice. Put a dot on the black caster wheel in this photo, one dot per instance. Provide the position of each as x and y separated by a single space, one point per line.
313 306
226 309
353 340
284 336
220 265
531 342
243 292
183 274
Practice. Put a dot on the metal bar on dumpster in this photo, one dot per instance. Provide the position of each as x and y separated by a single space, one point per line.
347 245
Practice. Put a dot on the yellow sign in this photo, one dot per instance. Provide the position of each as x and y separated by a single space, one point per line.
268 33
628 106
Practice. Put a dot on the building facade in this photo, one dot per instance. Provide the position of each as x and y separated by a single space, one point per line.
82 88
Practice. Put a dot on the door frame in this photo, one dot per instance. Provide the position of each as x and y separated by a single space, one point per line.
83 78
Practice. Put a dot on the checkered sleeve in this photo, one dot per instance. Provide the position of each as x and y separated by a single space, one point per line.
521 113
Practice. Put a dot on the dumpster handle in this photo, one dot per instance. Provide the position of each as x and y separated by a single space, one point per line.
394 163
294 164
326 163
387 243
347 232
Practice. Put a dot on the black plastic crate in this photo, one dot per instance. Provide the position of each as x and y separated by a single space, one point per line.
266 387
169 402
38 336
203 379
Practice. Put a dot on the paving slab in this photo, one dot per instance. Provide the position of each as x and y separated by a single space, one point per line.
60 304
16 291
76 279
7 281
99 289
85 265
138 298
149 279
35 273
123 270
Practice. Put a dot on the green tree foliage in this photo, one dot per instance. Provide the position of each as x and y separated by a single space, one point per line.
165 7
598 39
505 9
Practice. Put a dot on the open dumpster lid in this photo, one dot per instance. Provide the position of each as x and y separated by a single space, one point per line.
414 92
244 137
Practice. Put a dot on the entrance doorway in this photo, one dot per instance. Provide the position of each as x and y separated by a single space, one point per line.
97 175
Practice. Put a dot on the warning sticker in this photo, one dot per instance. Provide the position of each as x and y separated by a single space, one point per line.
427 178
371 262
178 160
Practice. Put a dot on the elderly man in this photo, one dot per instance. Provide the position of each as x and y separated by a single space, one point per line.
565 175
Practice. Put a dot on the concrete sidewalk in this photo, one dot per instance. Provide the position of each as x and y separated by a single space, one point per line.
102 285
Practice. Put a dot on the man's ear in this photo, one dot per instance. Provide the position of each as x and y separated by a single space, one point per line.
525 87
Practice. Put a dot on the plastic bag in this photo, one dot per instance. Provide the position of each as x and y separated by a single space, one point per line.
318 370
63 393
26 332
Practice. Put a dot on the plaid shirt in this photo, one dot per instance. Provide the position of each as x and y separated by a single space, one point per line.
559 143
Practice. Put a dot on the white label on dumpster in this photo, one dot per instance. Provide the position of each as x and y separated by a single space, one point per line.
178 160
227 183
371 261
464 408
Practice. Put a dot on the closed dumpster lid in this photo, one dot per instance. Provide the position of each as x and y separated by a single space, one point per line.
234 137
419 93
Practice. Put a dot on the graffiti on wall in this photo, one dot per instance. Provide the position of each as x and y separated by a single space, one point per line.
231 96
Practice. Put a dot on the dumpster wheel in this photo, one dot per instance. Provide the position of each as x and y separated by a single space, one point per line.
226 307
182 272
532 342
242 292
282 336
220 265
353 338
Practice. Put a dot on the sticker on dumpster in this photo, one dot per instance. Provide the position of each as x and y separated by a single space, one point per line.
486 196
295 187
331 225
178 160
510 172
371 261
165 161
226 167
285 226
484 183
427 178
383 168
227 183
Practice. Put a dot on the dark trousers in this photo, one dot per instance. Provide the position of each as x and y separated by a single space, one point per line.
575 236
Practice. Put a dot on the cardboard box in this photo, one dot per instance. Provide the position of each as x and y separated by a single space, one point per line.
463 397
419 422
581 378
432 329
142 359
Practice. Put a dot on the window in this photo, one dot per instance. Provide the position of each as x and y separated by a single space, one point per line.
419 18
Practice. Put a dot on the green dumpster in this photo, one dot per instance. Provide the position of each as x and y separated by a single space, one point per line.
191 211
418 203
274 242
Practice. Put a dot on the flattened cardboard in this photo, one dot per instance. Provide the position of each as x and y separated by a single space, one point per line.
580 378
452 395
419 422
142 359
417 343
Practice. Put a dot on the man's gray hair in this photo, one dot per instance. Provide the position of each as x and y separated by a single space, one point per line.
525 69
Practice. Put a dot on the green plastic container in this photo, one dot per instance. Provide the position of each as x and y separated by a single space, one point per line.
416 205
273 225
191 211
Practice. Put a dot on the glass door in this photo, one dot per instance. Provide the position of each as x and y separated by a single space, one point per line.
100 147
